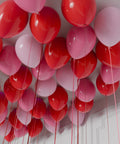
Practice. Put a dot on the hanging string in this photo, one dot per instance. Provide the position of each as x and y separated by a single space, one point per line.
114 94
55 133
107 119
77 119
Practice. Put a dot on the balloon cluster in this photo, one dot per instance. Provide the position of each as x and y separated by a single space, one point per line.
61 65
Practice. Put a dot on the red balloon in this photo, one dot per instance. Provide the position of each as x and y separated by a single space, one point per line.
13 19
56 53
39 109
22 79
58 115
83 106
35 127
1 45
102 53
14 120
3 103
45 25
105 89
85 66
10 137
58 99
79 12
2 123
12 94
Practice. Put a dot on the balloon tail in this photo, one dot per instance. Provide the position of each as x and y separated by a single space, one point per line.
114 94
55 133
107 119
77 127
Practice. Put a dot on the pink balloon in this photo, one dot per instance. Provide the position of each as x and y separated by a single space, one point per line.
46 88
66 78
32 6
28 50
72 114
86 90
80 41
9 63
5 128
27 100
3 116
20 132
106 74
49 123
23 117
107 26
44 71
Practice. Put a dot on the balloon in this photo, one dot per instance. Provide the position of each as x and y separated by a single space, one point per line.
45 25
23 117
107 76
43 71
2 122
13 19
79 12
50 124
3 116
22 79
1 44
105 89
83 107
35 127
66 78
10 137
33 6
107 25
12 94
27 101
58 115
5 128
73 115
3 103
9 63
85 66
14 120
56 53
58 99
20 132
104 56
80 41
46 88
28 50
86 90
39 109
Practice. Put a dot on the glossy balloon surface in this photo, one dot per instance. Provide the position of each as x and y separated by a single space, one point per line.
10 137
20 132
45 25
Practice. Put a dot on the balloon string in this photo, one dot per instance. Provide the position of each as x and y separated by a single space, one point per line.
77 127
72 103
114 94
107 120
55 133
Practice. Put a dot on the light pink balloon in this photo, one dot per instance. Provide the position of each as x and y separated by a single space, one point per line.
3 116
9 63
5 128
86 90
44 71
49 123
106 74
20 132
23 117
66 78
32 6
72 114
80 41
107 26
28 50
46 88
27 100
